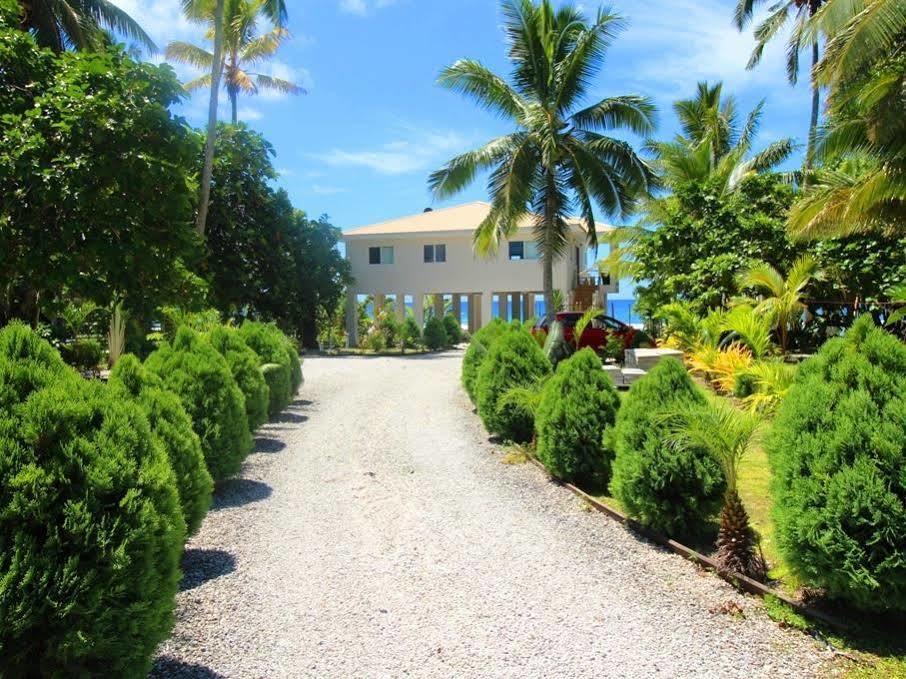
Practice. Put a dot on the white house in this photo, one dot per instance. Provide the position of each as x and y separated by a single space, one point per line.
431 253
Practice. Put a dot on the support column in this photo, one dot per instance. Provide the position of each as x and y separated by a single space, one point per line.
352 319
528 308
473 312
457 308
517 306
418 308
439 305
487 308
400 305
379 300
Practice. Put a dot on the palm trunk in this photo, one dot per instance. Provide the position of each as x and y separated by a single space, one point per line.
234 97
813 122
548 283
547 255
208 168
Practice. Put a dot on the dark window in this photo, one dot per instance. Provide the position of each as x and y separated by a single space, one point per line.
517 249
429 253
374 255
440 253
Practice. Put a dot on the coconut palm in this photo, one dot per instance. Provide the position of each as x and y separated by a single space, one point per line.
781 296
799 11
863 184
714 144
243 49
728 435
80 25
559 158
202 11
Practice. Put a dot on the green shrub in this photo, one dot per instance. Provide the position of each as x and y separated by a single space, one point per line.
171 427
676 491
244 366
270 344
453 328
192 368
83 354
410 335
477 351
578 404
91 529
838 455
295 366
514 360
435 335
375 341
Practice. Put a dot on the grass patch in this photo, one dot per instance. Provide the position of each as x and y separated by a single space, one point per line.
516 454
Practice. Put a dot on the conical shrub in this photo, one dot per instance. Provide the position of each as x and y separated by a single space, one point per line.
243 362
476 353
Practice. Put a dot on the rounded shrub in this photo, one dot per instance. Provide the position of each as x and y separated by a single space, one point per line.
91 530
83 354
435 335
674 490
577 405
271 345
192 369
171 426
514 360
31 363
453 328
838 455
243 364
410 335
477 351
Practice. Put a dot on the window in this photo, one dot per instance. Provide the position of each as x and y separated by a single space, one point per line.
521 249
435 253
380 255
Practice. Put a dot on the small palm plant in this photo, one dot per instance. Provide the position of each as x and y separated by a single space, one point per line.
728 434
584 320
782 297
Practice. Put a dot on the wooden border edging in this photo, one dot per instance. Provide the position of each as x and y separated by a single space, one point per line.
736 579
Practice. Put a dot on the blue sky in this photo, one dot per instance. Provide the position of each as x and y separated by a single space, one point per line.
360 145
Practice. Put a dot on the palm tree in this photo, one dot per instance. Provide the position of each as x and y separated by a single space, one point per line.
728 435
201 11
558 158
863 184
58 24
800 11
243 49
713 144
782 300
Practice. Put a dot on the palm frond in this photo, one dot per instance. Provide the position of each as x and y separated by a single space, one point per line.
187 53
267 82
632 112
491 92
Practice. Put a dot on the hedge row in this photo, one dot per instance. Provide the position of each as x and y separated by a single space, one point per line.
101 483
837 449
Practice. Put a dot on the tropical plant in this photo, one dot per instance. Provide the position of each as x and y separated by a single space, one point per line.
91 528
721 366
171 427
80 25
200 11
557 160
192 369
583 322
673 490
727 434
116 336
898 296
782 297
578 403
244 49
513 360
476 353
689 331
751 328
800 11
713 145
76 315
837 451
770 382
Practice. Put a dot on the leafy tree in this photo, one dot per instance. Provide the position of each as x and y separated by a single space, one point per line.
80 25
800 11
244 49
557 161
87 148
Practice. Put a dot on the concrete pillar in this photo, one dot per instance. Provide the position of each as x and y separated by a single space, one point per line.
528 306
379 300
418 308
474 301
439 305
487 308
457 307
516 306
400 305
352 319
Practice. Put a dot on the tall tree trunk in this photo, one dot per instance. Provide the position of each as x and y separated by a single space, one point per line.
208 168
234 97
813 122
548 282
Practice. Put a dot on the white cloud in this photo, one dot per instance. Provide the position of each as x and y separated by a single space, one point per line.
322 190
247 114
414 150
163 20
363 7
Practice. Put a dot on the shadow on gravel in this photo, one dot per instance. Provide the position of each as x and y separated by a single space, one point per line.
239 492
288 417
201 565
171 667
266 445
302 402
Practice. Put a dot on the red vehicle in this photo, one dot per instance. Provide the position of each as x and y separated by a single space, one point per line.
597 332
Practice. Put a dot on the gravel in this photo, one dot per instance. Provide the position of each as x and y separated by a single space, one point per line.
376 533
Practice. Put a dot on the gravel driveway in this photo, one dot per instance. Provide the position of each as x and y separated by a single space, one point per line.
376 533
